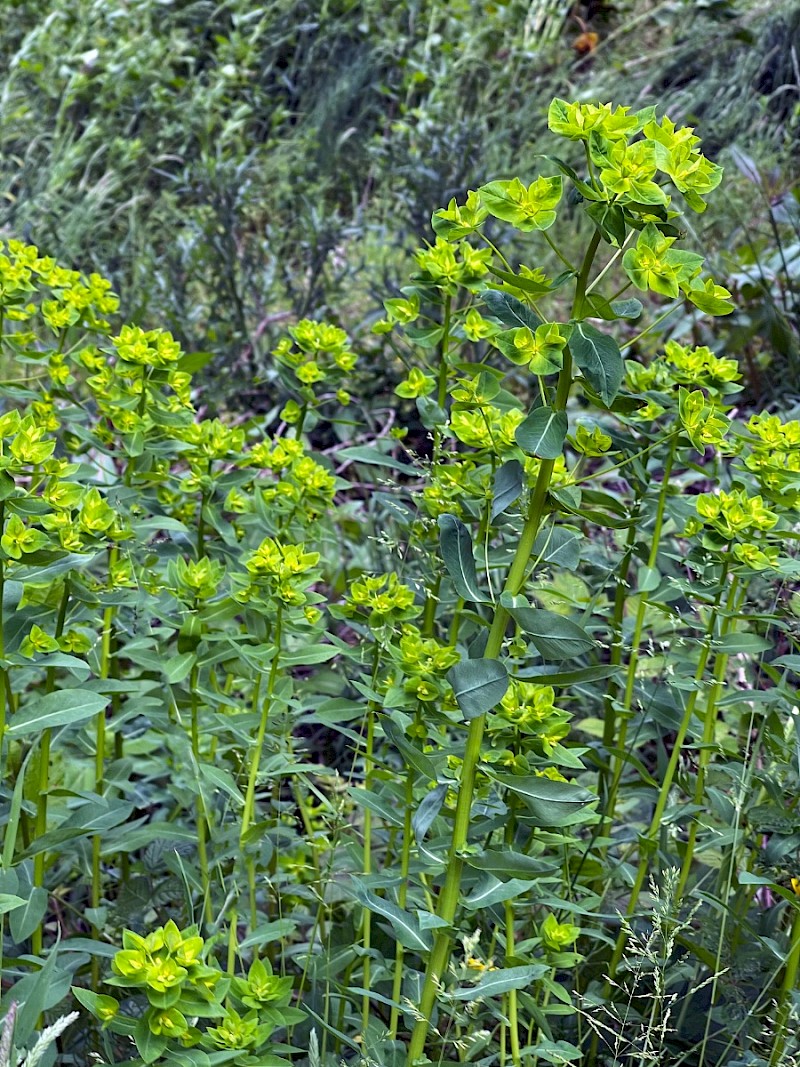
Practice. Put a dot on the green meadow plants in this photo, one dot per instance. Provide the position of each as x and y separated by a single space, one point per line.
469 740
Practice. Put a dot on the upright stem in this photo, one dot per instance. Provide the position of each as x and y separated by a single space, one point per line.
618 763
367 856
4 687
432 596
449 894
99 756
43 785
648 840
201 815
615 658
402 893
787 988
513 1021
248 812
709 724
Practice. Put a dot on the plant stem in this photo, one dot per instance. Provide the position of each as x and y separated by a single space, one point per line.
787 988
248 812
615 658
402 893
366 866
44 776
610 724
99 759
709 724
201 815
513 1021
648 840
367 857
448 897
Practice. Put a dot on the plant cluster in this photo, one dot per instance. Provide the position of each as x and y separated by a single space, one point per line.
471 746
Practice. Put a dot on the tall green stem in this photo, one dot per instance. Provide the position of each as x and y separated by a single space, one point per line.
432 597
449 895
609 729
201 815
100 754
4 687
402 893
649 839
709 724
248 812
787 988
43 784
615 658
513 1020
367 853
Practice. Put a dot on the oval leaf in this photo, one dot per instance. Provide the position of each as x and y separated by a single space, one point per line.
456 546
404 926
543 433
494 983
479 685
510 311
554 636
507 487
600 359
549 803
65 708
560 545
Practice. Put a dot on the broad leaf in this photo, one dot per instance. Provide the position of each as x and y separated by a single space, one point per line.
25 918
479 685
493 890
554 636
507 487
35 993
560 545
610 220
543 433
65 708
429 808
456 546
532 285
600 359
510 311
505 863
494 983
404 926
549 803
375 458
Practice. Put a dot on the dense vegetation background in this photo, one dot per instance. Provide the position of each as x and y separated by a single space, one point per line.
250 569
234 166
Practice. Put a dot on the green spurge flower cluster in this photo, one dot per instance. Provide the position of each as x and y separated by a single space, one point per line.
171 968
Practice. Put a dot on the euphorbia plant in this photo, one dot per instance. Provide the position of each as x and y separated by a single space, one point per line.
631 168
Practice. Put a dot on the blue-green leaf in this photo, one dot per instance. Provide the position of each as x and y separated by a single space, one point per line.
543 433
554 636
560 545
479 685
494 983
510 311
549 803
64 708
456 546
404 926
492 890
600 359
507 486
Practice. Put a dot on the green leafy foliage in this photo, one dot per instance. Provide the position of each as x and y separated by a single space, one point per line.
318 739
